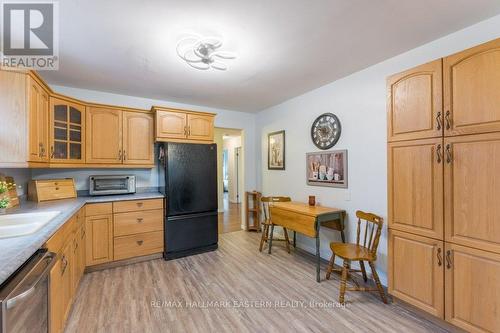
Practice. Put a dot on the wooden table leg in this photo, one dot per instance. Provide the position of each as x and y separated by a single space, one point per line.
271 239
342 235
318 259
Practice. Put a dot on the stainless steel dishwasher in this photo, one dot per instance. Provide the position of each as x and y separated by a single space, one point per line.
24 298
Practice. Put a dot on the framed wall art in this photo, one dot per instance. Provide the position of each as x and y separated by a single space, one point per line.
276 150
327 168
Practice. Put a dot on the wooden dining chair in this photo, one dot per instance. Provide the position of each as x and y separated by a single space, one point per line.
266 226
365 251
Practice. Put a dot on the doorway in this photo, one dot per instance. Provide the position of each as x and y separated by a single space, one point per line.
230 169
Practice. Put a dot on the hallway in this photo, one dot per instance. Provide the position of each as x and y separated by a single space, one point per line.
230 219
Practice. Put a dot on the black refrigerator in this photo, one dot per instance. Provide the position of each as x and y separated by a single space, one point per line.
188 180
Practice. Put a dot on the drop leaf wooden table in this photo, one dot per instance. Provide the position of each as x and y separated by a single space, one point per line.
307 220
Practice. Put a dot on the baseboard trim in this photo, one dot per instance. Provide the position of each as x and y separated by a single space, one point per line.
123 262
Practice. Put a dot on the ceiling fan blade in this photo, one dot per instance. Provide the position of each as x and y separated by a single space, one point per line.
218 65
224 54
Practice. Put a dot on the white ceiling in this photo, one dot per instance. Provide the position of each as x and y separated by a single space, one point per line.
285 47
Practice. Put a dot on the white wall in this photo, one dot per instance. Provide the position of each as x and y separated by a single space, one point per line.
148 177
359 100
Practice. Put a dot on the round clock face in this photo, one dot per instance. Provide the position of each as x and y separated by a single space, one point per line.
325 131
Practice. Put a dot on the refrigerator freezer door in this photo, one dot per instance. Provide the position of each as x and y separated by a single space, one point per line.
190 234
191 178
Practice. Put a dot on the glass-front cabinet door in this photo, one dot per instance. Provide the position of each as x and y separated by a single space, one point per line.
67 131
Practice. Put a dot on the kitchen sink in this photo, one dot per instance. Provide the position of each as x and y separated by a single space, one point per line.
14 225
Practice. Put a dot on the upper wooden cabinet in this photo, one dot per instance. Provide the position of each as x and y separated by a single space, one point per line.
414 103
171 125
14 119
138 138
200 127
128 137
67 131
184 126
416 267
415 186
471 90
104 136
38 120
472 190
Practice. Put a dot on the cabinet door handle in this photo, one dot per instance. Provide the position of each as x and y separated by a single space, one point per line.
449 156
439 121
439 257
139 204
139 242
438 153
140 220
448 259
448 119
40 151
65 264
43 150
119 155
189 130
124 155
51 151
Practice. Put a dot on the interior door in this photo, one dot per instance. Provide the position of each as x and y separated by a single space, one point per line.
415 187
104 136
472 288
414 105
471 90
416 271
171 125
472 190
138 138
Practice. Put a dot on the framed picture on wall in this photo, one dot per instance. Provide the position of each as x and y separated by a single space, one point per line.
276 150
327 168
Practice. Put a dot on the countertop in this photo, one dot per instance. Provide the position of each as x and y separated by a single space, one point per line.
16 250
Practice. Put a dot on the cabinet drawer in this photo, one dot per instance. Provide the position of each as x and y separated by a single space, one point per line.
137 205
99 209
138 222
54 183
138 245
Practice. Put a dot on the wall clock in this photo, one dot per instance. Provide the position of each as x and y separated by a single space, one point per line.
325 131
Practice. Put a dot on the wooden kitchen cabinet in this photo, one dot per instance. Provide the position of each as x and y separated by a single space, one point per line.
171 125
174 125
104 136
416 271
67 131
471 81
415 186
472 191
200 127
472 288
414 103
99 239
38 121
138 138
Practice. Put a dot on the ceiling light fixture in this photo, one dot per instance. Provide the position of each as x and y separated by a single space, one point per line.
203 52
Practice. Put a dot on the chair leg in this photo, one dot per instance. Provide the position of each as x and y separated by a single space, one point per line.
331 263
287 240
343 281
377 281
263 238
363 270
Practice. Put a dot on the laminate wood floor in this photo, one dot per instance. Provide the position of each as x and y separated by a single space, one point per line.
250 292
230 219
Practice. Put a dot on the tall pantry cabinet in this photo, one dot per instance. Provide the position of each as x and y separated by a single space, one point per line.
444 187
